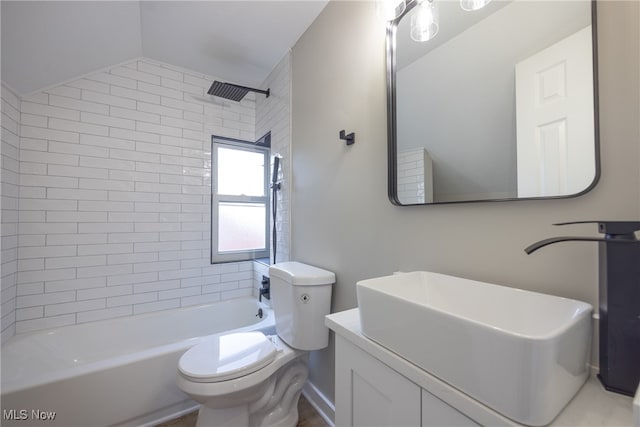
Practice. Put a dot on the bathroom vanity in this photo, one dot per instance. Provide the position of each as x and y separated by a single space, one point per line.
375 386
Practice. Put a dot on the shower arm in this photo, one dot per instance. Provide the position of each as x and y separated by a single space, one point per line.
250 89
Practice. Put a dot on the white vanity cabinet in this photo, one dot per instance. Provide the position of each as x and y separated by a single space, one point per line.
376 387
370 393
437 413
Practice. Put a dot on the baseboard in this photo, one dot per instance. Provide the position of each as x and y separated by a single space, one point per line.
166 414
319 401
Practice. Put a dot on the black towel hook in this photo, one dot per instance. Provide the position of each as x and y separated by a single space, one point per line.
350 139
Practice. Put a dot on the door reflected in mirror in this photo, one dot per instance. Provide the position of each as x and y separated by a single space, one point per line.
498 105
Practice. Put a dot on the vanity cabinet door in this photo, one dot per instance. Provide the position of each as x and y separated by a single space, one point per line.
369 393
436 413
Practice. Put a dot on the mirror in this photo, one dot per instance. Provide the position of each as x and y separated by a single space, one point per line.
499 105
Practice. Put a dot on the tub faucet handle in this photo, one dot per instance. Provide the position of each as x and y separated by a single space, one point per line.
265 290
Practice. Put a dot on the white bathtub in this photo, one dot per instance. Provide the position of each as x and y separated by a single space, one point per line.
114 372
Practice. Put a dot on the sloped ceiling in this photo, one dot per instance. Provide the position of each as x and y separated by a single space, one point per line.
48 42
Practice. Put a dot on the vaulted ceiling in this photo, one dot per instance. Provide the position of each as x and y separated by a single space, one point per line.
49 42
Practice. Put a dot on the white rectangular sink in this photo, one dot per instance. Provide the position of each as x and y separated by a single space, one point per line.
521 353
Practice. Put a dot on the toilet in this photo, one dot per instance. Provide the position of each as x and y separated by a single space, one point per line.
251 379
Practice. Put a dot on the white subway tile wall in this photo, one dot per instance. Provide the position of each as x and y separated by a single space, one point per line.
9 197
112 216
415 180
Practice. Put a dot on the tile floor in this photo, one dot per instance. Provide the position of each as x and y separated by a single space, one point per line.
308 417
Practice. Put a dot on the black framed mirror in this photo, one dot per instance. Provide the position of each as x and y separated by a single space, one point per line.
500 105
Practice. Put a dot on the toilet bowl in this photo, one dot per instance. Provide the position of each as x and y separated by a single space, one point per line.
244 379
251 379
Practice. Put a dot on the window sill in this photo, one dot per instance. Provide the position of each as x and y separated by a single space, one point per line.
263 261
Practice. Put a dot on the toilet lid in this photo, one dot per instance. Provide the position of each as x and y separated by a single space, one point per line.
225 357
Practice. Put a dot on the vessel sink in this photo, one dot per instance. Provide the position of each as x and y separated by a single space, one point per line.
523 354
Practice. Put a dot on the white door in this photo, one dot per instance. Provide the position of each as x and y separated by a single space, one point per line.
554 113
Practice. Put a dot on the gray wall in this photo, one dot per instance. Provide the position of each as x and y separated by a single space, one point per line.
342 220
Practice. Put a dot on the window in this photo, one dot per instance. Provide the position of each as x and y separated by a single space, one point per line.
239 200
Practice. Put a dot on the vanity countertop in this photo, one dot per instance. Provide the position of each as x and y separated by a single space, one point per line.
592 406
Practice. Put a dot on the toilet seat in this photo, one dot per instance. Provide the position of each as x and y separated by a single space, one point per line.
226 357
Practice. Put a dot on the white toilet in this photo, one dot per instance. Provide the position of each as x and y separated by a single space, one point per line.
249 379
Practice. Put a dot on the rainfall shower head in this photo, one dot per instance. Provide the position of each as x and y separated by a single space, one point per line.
231 91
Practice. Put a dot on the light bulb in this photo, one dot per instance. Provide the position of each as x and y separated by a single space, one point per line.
425 21
471 5
390 9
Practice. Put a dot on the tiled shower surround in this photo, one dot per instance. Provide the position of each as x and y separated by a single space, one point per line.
9 176
114 200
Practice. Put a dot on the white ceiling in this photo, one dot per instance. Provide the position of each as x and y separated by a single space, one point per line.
49 42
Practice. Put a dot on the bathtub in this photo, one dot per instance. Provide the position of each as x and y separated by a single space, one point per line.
118 372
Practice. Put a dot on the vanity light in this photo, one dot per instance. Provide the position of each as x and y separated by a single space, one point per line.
425 21
390 9
471 5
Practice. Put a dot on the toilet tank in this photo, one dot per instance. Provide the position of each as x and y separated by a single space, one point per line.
301 297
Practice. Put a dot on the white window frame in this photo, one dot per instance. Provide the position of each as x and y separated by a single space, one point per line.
216 199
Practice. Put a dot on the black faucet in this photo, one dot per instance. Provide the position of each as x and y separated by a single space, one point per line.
619 301
620 231
265 290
